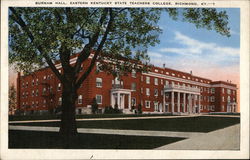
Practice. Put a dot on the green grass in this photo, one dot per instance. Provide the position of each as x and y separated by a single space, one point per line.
46 117
184 124
51 140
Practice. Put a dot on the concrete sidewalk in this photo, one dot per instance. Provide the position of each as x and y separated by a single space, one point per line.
114 131
222 139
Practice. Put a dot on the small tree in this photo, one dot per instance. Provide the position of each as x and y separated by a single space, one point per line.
139 109
12 99
94 106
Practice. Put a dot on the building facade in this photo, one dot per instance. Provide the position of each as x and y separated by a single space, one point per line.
161 90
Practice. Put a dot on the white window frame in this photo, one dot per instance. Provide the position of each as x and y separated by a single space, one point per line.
147 104
59 87
147 91
79 99
156 81
99 82
133 73
133 86
133 100
156 93
96 97
147 80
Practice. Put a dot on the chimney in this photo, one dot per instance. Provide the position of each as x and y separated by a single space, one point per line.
164 65
191 72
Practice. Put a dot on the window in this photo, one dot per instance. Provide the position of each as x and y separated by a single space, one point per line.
27 83
44 91
141 90
98 67
222 108
147 92
156 107
98 99
44 77
223 90
167 73
212 108
99 82
228 99
23 85
33 93
156 70
133 73
59 87
44 101
156 81
33 82
36 92
223 99
228 91
234 100
156 92
167 83
60 101
142 78
161 81
80 99
212 90
201 107
173 74
37 81
233 92
147 104
51 89
201 89
212 98
133 86
133 101
207 98
148 80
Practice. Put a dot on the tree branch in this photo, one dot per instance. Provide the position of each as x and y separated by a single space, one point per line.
84 54
104 38
17 18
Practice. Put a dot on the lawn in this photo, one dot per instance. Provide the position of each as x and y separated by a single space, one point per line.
51 140
184 124
47 117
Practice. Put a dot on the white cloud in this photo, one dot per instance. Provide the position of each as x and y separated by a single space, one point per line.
208 60
195 47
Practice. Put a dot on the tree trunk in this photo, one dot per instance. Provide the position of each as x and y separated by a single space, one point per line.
68 129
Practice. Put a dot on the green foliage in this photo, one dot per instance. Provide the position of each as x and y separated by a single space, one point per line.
49 31
12 99
111 110
139 109
94 106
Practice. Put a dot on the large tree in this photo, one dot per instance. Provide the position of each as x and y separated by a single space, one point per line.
42 36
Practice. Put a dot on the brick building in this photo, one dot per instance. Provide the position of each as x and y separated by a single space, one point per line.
161 90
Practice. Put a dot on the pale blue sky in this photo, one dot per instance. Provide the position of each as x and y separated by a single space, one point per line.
205 52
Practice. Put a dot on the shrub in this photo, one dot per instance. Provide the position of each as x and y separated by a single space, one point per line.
139 109
94 106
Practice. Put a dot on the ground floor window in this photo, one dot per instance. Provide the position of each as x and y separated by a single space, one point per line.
133 101
147 104
98 99
80 99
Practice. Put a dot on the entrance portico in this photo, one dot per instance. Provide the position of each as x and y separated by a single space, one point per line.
118 97
182 99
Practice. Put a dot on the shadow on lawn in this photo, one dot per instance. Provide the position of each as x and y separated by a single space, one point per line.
51 140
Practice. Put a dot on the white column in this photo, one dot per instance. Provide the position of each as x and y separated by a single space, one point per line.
190 103
164 108
111 99
199 103
184 102
178 103
129 100
172 101
118 100
122 101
